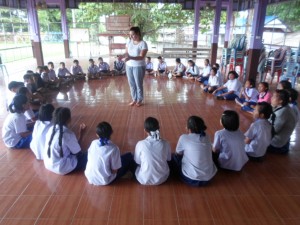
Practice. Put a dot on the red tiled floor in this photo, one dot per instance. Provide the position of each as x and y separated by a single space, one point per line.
261 194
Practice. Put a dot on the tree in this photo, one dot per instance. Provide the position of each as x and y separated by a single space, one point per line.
288 12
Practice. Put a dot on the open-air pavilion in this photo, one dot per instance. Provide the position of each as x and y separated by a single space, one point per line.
264 192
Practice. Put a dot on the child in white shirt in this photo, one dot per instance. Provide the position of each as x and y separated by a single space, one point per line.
179 69
193 71
149 66
62 153
151 155
161 66
77 71
14 131
40 130
231 89
104 68
259 134
248 96
213 81
119 66
229 143
104 163
204 76
193 156
93 70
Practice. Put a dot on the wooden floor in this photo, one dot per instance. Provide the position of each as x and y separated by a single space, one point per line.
266 193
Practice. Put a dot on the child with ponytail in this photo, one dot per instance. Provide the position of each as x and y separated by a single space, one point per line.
15 133
104 161
193 157
63 152
151 155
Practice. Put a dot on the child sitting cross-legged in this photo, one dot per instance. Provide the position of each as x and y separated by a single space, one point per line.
248 96
105 164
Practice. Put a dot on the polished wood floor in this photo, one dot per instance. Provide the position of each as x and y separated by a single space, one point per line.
262 194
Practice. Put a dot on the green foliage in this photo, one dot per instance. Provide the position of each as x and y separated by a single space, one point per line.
13 20
288 12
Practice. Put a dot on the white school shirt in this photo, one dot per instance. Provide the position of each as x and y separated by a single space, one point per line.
206 71
252 93
151 156
70 147
260 133
103 66
61 72
134 51
93 69
14 124
39 132
213 81
45 77
101 160
149 66
295 108
233 85
194 70
231 146
162 66
76 70
197 163
52 75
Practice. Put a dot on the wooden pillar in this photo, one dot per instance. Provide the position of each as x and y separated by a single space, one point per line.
228 23
64 26
260 8
196 23
35 32
215 37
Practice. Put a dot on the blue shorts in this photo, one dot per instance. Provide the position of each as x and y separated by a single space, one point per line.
24 142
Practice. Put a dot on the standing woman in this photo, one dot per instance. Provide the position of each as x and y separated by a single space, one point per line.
136 50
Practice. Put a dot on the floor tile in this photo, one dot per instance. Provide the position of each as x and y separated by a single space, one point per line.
17 222
53 222
72 184
62 207
196 222
132 221
89 222
287 207
166 210
14 185
28 207
6 202
160 222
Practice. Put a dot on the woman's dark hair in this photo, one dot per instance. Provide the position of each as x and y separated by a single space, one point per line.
265 84
293 93
136 30
283 95
234 73
178 60
23 91
16 106
151 124
45 112
264 108
196 125
285 84
191 61
214 69
252 82
61 116
104 130
230 120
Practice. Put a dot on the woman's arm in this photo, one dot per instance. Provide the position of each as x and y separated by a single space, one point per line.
140 57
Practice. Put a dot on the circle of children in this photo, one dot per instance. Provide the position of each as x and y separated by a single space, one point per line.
195 160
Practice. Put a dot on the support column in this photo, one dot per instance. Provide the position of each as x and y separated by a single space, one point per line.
228 23
196 23
215 37
260 8
64 25
35 32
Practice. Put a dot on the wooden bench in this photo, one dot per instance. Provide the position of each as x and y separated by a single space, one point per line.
200 53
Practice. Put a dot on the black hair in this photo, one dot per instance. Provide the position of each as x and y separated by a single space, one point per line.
75 61
104 131
234 73
16 106
148 57
265 84
136 30
91 60
61 116
159 57
29 71
62 63
45 112
283 95
196 125
178 60
215 70
50 63
293 93
27 76
191 61
207 60
230 120
15 84
252 82
100 58
216 65
285 84
23 91
151 124
264 108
